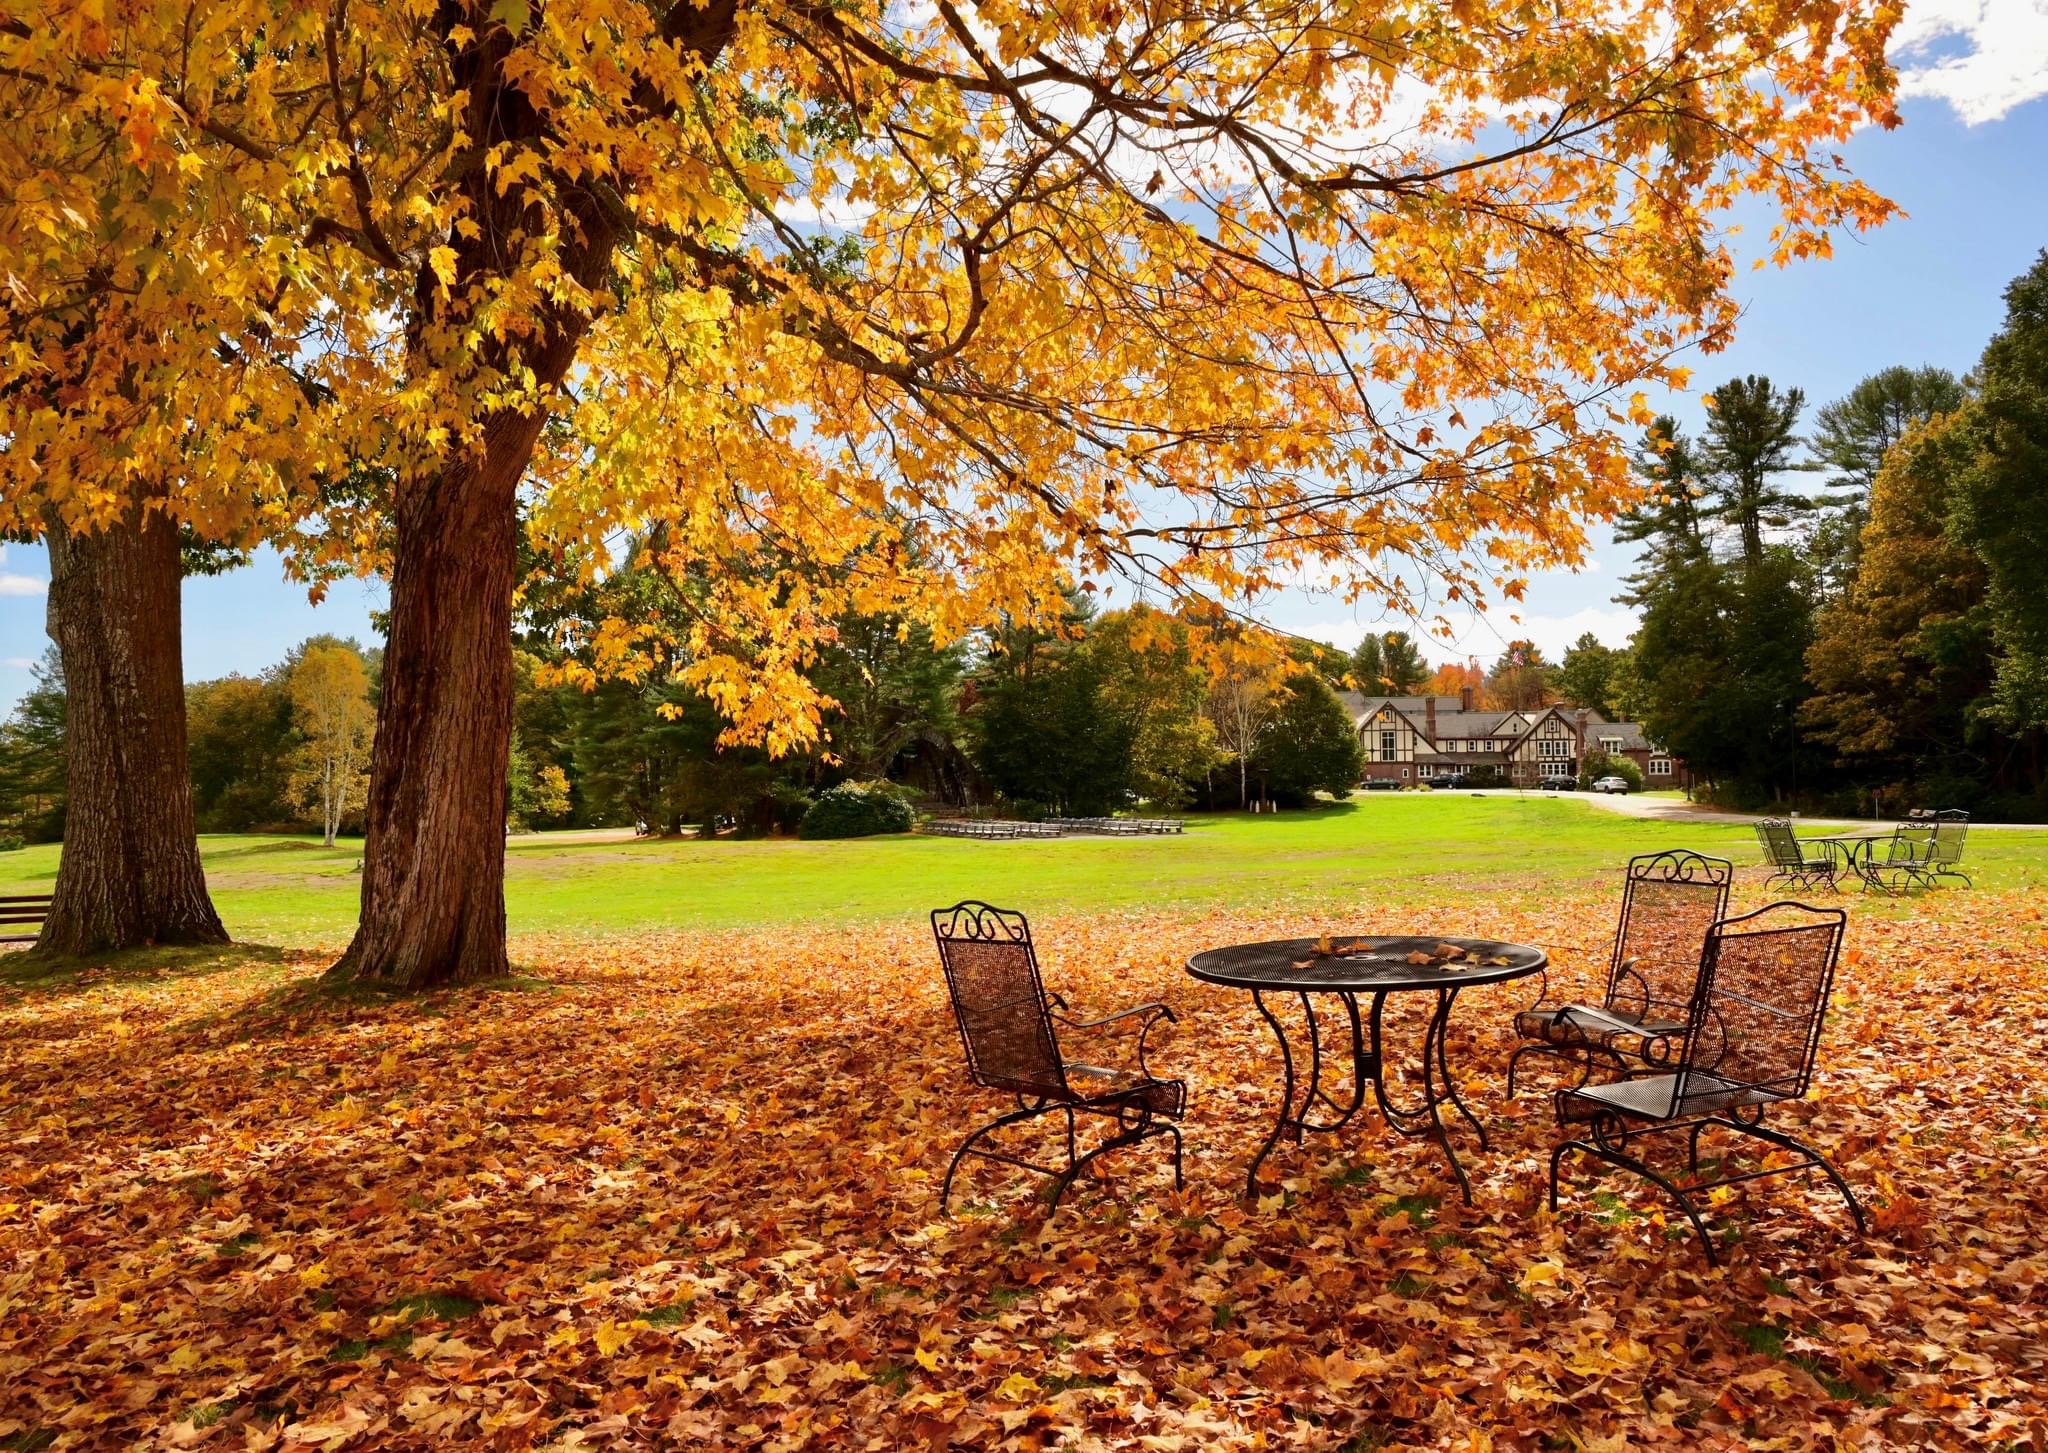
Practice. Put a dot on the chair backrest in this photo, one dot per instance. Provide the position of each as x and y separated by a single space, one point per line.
1668 902
998 999
1781 844
1951 827
1913 839
1763 993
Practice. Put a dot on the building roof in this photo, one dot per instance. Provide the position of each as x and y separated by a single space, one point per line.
1633 737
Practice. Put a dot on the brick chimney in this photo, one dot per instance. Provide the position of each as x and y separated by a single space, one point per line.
1429 717
1464 698
1583 714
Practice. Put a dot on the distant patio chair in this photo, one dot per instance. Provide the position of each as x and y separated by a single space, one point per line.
1753 1033
1668 902
1007 1024
1787 858
1934 842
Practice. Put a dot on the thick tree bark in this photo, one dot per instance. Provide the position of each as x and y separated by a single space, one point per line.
433 907
130 872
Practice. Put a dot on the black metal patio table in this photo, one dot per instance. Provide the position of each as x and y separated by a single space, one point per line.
1858 852
1346 966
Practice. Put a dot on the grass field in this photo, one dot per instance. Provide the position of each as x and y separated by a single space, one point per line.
1384 848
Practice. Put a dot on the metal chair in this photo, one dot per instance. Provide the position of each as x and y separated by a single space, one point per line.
1786 856
1752 1035
1933 843
1668 902
1007 1025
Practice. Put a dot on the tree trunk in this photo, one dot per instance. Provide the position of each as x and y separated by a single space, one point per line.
129 874
433 907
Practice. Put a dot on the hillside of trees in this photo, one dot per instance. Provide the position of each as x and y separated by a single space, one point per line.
1847 611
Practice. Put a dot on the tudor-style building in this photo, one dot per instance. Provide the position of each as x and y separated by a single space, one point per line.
1408 738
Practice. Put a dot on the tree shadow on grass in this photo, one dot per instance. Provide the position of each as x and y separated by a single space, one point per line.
34 972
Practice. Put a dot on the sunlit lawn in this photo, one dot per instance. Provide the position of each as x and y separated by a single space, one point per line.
1406 848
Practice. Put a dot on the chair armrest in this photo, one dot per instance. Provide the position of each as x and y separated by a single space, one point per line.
1121 1014
1149 1014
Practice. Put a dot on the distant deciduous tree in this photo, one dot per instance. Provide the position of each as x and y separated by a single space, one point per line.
1851 437
1902 659
1520 679
1585 676
1308 743
2001 508
330 692
32 755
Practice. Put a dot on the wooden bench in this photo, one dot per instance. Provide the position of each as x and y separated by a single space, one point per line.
23 910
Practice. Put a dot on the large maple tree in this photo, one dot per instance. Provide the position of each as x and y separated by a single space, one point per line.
930 310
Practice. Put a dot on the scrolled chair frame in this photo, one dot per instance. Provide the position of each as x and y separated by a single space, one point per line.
1637 1027
1924 850
1786 856
1743 1052
1009 1026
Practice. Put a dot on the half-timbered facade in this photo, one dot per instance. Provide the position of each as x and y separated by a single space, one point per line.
1410 738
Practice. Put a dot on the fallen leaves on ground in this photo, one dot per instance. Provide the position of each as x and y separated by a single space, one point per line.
683 1192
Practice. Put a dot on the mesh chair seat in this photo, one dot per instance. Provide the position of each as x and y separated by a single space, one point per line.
1656 1098
1580 1025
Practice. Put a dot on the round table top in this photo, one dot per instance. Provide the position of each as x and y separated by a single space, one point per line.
1366 963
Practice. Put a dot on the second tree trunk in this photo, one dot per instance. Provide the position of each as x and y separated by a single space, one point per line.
434 848
129 874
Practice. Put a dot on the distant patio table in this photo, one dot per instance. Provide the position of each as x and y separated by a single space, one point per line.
1343 967
1858 852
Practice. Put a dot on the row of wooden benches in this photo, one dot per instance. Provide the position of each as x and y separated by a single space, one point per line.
1123 826
1003 828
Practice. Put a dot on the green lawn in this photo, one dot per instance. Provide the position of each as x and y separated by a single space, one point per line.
1380 848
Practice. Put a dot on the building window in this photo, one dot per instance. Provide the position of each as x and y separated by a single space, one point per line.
1611 745
1554 749
1387 752
1660 766
1404 774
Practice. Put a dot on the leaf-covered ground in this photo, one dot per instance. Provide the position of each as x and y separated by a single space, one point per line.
682 1191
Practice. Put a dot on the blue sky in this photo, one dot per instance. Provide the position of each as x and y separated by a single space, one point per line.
1970 166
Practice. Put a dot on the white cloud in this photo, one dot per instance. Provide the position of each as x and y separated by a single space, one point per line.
1983 57
19 663
1485 635
12 584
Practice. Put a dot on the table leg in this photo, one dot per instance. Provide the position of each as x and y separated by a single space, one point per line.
1438 1088
1289 1121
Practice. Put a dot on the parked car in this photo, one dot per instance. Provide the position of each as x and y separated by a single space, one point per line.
1381 784
1444 781
1612 784
1559 784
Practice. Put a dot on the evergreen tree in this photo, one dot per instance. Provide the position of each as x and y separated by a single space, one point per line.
1750 441
1669 524
1389 663
1851 437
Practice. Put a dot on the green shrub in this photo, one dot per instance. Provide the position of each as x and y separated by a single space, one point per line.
857 809
11 842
